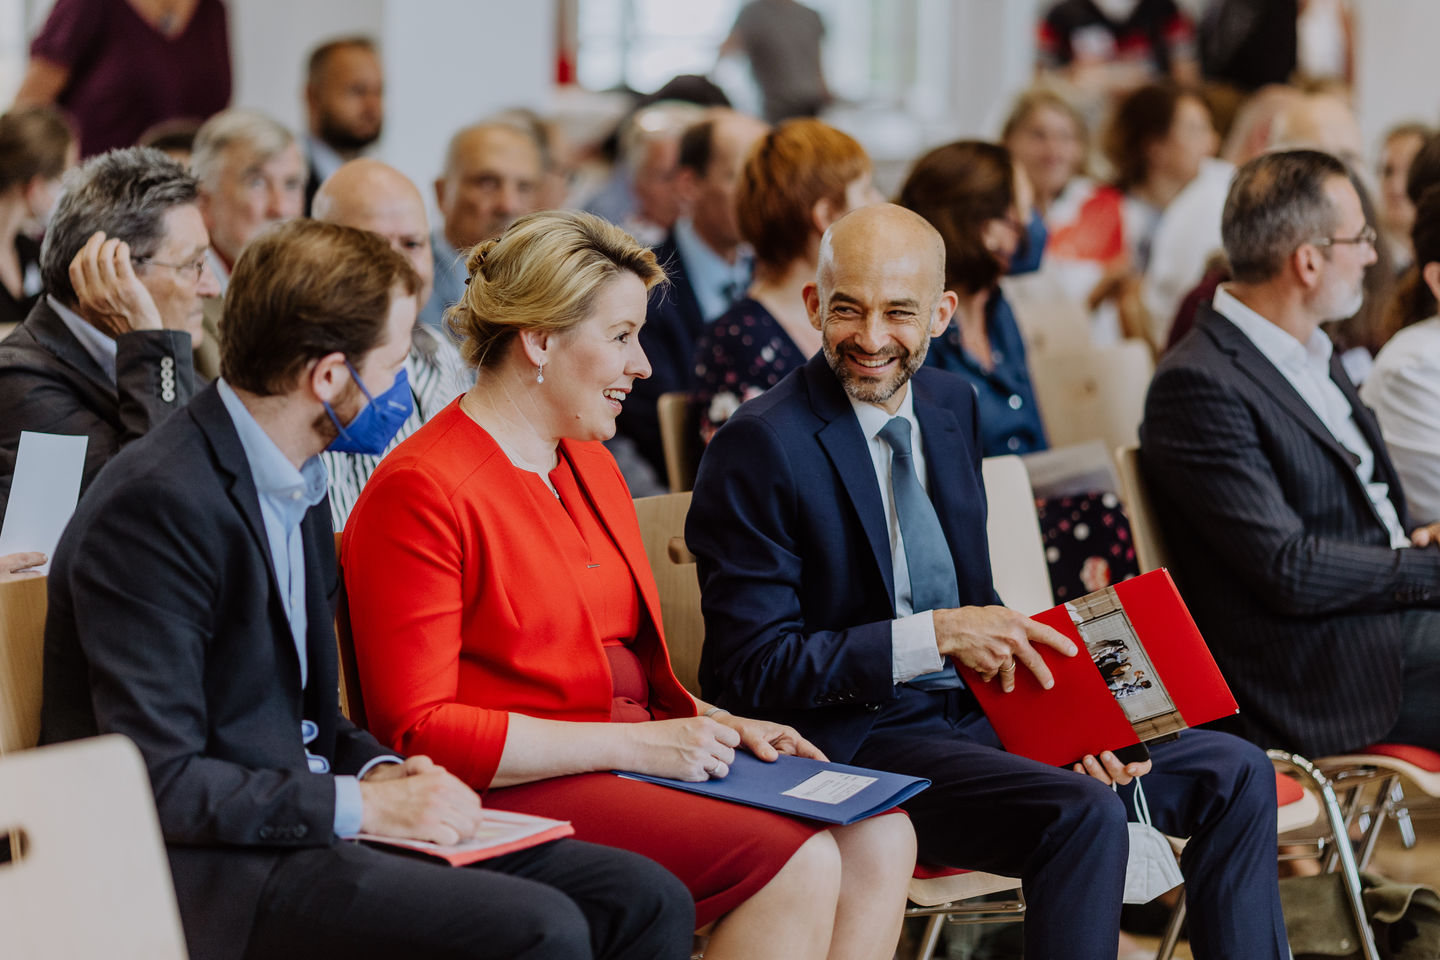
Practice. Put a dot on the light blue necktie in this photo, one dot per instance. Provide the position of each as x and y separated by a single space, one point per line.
932 570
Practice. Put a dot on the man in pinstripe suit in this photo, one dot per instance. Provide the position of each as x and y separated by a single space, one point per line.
1284 516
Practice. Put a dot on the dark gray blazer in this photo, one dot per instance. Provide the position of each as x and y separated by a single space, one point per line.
1276 547
50 384
166 625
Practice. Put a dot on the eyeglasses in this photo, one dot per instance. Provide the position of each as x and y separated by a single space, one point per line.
1366 235
196 267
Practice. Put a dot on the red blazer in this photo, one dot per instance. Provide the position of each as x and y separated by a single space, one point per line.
461 613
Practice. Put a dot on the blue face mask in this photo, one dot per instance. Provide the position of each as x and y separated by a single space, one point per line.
1032 247
375 426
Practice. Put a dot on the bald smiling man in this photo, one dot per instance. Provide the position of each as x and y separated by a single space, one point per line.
839 526
369 195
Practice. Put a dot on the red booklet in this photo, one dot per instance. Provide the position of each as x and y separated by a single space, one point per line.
501 832
1148 674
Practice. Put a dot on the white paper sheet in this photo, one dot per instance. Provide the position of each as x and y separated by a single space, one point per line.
43 494
830 787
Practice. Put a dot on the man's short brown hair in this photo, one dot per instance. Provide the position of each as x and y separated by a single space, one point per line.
788 171
302 290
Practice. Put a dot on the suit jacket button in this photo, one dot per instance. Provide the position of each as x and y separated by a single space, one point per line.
301 831
267 832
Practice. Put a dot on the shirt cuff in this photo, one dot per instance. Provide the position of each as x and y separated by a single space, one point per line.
913 652
349 807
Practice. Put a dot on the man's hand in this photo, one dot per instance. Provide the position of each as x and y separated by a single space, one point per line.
107 290
19 566
419 800
690 748
1426 535
990 640
768 740
1108 769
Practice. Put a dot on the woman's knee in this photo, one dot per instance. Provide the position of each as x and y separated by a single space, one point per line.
813 870
878 844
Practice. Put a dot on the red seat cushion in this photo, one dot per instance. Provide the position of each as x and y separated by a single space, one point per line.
1427 760
931 871
1287 790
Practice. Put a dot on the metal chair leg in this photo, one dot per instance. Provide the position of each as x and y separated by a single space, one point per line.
930 939
1377 820
1399 811
1344 852
1172 930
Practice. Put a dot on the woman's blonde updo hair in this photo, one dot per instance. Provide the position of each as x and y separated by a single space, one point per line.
542 274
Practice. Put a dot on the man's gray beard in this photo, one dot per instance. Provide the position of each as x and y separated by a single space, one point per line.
874 392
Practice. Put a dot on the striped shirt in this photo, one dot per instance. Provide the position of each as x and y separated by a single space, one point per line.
437 376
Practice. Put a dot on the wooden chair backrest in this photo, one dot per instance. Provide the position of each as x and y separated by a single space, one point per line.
352 704
89 877
662 528
1095 394
680 439
1150 547
22 660
1017 552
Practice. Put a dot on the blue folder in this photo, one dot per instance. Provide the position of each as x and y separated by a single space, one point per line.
754 782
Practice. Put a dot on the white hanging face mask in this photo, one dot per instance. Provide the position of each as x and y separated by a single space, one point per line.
1152 868
1117 11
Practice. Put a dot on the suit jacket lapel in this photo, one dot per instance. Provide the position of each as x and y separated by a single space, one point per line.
625 535
1384 470
679 287
214 421
1258 367
940 438
1254 364
50 331
849 454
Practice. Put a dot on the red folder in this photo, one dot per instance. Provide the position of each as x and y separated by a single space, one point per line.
1080 715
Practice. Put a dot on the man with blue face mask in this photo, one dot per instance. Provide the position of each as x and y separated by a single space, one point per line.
210 538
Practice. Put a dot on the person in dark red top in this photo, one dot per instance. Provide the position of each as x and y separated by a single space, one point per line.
506 620
119 67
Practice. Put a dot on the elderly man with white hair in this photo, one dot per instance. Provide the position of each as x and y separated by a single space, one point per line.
251 174
369 195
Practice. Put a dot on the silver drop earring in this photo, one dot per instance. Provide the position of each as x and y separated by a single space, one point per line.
540 373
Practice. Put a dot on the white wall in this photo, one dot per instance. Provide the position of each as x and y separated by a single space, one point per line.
451 62
1397 70
447 63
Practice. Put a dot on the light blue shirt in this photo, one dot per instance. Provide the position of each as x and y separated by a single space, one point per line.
286 495
100 346
913 648
450 276
717 284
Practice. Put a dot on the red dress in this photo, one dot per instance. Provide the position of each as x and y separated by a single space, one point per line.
516 601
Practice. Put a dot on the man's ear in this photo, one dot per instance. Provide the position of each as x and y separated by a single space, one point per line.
811 296
944 310
440 195
328 376
1430 276
1305 261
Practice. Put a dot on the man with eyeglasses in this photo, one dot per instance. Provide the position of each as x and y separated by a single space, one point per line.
107 352
1282 511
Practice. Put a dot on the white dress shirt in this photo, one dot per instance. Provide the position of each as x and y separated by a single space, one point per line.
1404 390
912 635
1185 238
1307 367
